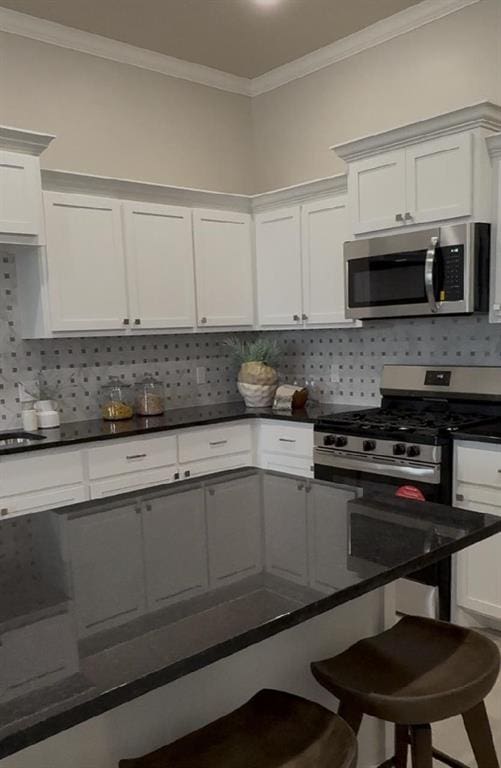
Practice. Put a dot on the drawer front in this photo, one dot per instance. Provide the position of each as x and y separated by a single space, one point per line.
293 440
126 456
216 464
200 444
32 472
479 466
26 503
132 482
288 464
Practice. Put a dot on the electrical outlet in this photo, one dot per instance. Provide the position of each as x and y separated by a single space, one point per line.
201 374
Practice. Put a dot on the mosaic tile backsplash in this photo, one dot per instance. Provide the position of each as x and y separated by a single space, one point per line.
72 371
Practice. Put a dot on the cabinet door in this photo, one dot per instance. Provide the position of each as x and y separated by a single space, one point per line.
439 179
106 568
20 194
223 264
175 547
278 257
479 578
284 501
86 264
234 530
328 538
324 231
376 186
159 248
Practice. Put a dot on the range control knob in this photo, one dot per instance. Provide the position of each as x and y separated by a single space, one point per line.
413 450
340 441
399 449
330 439
369 445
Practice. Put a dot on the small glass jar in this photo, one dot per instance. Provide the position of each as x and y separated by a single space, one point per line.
149 397
116 400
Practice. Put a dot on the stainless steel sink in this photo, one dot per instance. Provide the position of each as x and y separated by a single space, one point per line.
18 439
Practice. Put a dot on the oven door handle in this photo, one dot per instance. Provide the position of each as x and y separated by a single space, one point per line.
429 266
425 473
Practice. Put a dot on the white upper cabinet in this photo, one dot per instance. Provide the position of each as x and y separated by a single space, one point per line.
324 228
159 249
86 264
223 264
278 259
21 208
377 192
439 179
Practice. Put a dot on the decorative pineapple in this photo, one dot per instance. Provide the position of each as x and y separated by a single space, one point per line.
257 377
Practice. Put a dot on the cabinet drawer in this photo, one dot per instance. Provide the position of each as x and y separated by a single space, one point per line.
195 445
25 473
479 466
215 464
113 486
25 503
285 463
292 440
126 456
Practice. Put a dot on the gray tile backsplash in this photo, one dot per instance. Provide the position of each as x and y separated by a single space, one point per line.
73 370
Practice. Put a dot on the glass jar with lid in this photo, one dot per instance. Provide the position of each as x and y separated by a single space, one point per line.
116 400
149 397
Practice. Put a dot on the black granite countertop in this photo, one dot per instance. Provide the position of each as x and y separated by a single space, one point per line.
123 595
75 432
483 433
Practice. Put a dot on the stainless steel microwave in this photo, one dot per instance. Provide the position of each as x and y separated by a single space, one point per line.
440 271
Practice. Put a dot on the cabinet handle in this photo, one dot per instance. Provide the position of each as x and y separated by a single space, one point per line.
137 321
136 456
304 317
212 492
4 512
285 440
187 473
176 475
399 217
295 317
126 321
203 320
408 216
218 442
459 497
300 486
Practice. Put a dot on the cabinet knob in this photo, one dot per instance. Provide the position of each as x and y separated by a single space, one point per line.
300 486
212 492
408 216
137 321
399 217
187 473
4 512
203 320
304 317
126 321
176 475
295 317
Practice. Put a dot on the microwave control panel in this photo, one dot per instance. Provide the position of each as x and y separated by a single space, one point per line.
452 282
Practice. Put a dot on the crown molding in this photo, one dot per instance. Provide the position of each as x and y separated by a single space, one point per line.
400 23
300 193
28 142
105 48
485 114
494 145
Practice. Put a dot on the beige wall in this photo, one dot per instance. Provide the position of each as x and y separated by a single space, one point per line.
443 65
116 120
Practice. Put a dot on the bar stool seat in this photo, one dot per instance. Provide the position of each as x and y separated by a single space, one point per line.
272 730
418 672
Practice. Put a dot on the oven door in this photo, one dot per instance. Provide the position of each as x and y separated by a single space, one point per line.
412 274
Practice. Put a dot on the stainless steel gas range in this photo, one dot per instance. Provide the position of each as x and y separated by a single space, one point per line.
405 446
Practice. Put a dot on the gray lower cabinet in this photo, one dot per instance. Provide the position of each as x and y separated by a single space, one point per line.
234 529
36 655
328 538
285 523
106 568
175 551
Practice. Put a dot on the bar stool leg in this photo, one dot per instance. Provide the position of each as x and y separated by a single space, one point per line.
479 733
401 746
350 715
422 755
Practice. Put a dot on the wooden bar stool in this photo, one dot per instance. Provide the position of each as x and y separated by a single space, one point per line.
272 730
418 672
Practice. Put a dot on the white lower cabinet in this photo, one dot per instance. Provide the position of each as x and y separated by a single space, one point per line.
211 449
285 447
106 563
175 549
477 486
234 529
285 526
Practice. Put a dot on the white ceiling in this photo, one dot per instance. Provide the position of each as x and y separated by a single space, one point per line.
241 37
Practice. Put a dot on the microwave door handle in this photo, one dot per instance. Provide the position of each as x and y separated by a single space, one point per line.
428 274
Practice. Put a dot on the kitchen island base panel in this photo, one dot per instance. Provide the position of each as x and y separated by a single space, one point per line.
167 713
